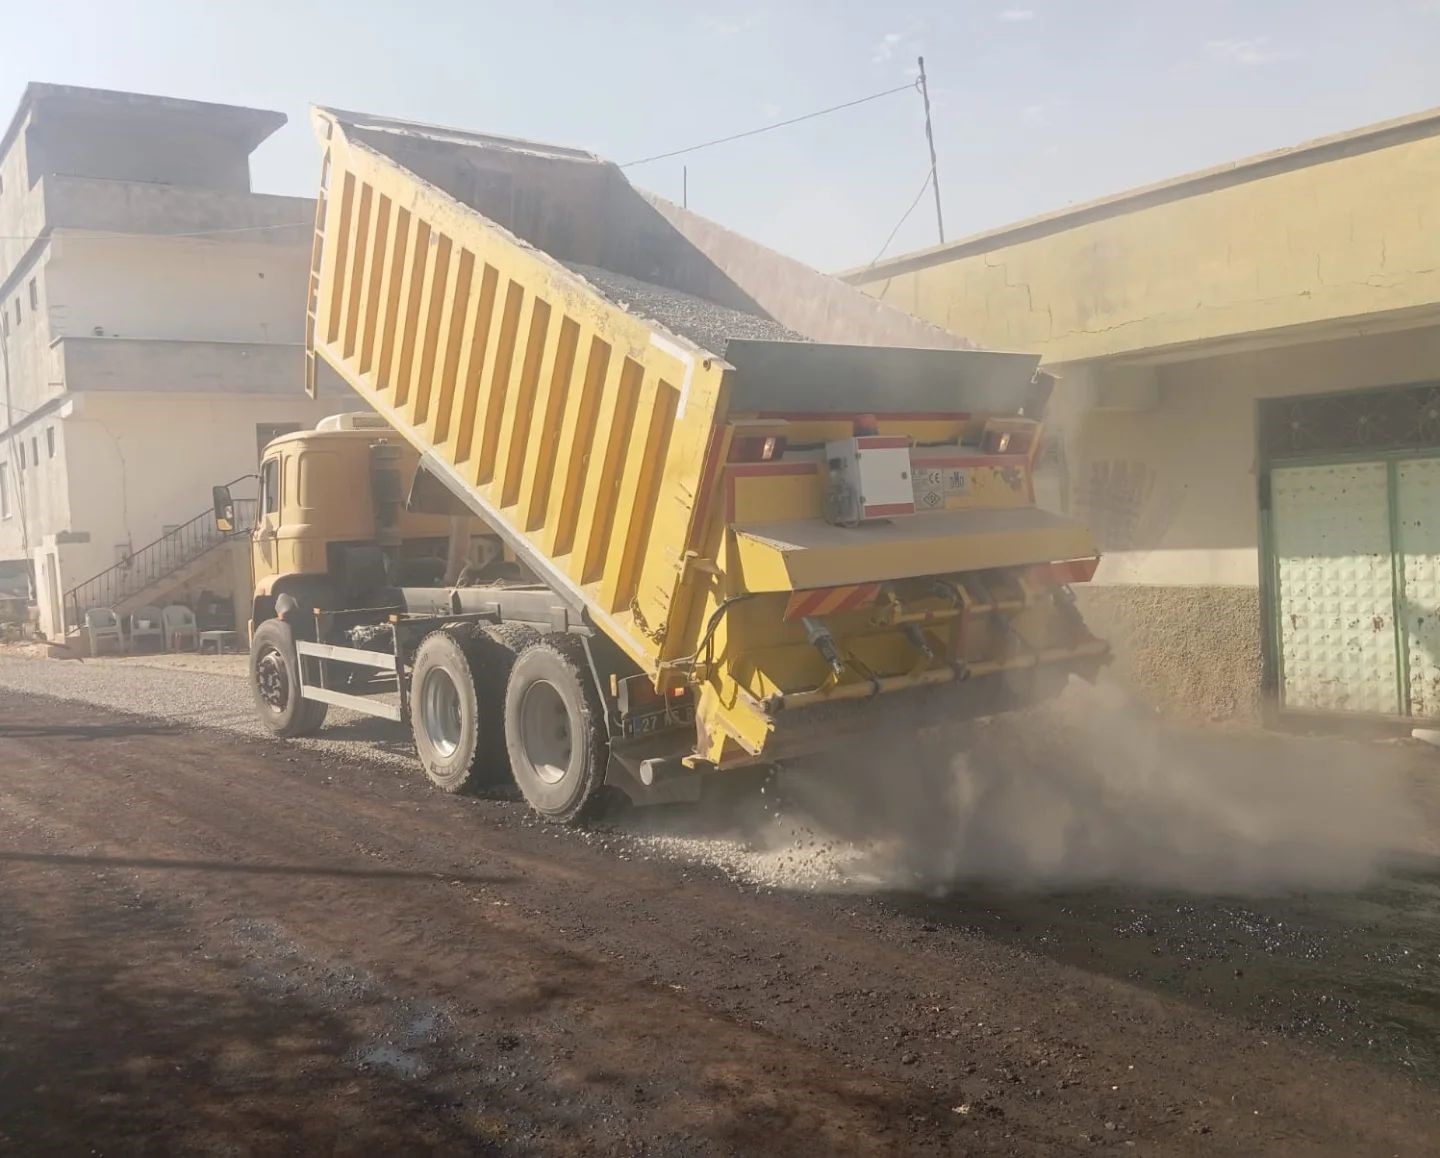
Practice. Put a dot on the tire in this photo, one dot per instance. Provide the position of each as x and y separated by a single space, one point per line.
494 651
445 715
479 758
555 730
275 683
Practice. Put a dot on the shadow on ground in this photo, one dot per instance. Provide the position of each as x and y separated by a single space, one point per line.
85 731
124 1041
1359 972
63 860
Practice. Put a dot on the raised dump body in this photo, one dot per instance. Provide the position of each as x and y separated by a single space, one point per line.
768 490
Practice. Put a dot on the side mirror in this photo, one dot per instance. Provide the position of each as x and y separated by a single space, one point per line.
224 509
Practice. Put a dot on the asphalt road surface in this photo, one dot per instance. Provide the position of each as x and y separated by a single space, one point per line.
214 944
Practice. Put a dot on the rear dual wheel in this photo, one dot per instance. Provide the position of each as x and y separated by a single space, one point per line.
555 730
490 698
457 691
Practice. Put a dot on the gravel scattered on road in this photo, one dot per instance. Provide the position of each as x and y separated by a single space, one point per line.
802 865
197 699
218 698
917 837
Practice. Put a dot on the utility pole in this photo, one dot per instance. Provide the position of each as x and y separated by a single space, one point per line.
684 186
930 139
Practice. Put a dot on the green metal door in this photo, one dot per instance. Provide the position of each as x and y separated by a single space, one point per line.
1355 552
1417 529
1334 588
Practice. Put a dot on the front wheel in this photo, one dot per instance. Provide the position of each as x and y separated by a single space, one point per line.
555 730
275 683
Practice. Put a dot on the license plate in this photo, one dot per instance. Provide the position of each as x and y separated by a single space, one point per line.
658 721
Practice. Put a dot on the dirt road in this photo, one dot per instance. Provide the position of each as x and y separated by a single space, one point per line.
212 944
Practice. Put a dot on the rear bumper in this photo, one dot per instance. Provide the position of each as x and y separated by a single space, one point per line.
803 723
808 723
1063 659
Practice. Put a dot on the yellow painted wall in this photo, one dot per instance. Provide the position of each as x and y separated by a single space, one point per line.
1354 236
1171 492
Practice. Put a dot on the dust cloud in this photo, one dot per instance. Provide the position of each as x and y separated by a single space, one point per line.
1087 790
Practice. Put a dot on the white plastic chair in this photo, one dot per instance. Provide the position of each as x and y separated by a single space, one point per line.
103 625
178 622
145 623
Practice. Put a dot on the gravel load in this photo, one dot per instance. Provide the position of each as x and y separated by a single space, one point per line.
708 325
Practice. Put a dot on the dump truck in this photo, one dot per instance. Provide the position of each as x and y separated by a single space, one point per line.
635 503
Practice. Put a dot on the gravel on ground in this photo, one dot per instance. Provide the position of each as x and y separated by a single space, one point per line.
212 944
201 692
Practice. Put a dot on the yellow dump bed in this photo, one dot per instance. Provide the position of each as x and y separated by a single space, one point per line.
641 402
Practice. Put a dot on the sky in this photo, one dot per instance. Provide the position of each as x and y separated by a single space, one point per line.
1037 104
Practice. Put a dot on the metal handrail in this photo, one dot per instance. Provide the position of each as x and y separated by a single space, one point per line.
155 560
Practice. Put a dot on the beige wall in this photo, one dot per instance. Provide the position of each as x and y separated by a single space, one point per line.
33 366
185 291
148 287
39 498
1354 236
129 149
1168 314
229 316
22 209
30 372
1172 491
136 463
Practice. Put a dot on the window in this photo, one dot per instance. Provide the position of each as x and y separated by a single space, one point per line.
50 441
34 295
4 490
35 451
20 445
17 311
270 486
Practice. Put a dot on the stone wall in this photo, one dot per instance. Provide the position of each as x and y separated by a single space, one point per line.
1193 652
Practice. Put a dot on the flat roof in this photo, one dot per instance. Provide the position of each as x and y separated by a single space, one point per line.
1320 151
249 126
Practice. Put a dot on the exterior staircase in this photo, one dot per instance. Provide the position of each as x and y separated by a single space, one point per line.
149 574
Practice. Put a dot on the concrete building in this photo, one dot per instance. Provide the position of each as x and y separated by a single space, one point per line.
1249 415
152 335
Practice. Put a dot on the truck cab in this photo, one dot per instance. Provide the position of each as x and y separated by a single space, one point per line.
333 522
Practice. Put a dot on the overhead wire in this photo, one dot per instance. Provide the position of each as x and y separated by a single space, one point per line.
913 86
929 176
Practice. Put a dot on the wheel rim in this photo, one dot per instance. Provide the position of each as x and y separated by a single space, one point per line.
545 730
440 712
273 679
